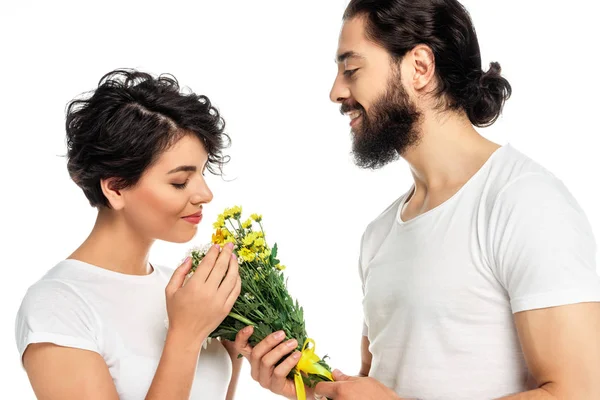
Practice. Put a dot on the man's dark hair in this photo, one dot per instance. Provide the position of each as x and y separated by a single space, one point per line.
446 27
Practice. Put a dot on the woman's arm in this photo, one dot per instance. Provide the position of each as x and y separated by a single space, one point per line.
236 368
67 373
177 368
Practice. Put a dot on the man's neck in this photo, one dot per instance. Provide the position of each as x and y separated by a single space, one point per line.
449 152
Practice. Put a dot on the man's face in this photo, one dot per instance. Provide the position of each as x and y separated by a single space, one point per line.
368 86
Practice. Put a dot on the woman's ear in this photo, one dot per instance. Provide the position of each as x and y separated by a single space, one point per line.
114 196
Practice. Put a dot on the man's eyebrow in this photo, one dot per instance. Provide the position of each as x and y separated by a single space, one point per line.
346 55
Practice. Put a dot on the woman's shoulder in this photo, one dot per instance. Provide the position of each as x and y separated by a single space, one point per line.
53 291
56 295
52 310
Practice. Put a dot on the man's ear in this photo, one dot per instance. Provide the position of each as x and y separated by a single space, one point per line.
423 62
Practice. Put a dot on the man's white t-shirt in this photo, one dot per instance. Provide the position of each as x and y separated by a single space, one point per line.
440 290
121 317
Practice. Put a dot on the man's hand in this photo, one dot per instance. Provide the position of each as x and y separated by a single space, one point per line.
354 388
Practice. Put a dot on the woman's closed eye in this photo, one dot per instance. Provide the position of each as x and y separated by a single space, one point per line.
180 185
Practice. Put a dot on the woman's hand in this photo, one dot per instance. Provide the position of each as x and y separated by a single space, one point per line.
265 355
198 307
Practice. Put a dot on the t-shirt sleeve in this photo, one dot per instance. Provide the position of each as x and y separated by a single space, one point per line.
542 245
365 329
53 312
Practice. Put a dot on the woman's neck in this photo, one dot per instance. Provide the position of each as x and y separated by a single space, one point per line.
114 245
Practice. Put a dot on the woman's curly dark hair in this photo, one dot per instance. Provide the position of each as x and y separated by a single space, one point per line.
128 121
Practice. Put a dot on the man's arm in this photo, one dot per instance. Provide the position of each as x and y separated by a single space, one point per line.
366 357
561 346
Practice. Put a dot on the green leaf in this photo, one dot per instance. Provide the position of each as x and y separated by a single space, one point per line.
273 255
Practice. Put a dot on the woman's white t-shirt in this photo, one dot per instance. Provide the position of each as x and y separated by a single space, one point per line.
121 317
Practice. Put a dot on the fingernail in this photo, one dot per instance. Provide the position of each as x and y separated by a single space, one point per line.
280 335
292 343
230 246
217 246
186 259
296 355
248 329
234 257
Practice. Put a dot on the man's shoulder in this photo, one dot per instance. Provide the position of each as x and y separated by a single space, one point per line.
518 185
513 165
515 171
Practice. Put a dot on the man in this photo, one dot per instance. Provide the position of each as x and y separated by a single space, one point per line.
479 282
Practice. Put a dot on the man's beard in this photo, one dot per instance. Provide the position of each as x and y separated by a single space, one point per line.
390 128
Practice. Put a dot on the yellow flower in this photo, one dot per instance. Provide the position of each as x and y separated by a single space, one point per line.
265 254
230 239
226 232
218 237
220 222
247 224
280 267
246 254
236 212
256 217
248 240
259 243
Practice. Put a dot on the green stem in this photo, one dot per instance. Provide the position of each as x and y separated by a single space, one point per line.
241 319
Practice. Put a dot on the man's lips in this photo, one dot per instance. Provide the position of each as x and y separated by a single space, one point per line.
354 116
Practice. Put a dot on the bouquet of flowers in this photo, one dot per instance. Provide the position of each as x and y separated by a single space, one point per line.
264 301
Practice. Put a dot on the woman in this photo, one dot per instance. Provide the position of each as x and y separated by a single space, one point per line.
94 326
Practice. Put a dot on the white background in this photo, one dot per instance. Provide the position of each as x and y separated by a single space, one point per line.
268 66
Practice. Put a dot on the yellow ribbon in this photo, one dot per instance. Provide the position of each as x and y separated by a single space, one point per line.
309 364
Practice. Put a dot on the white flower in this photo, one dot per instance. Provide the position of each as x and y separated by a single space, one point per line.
202 250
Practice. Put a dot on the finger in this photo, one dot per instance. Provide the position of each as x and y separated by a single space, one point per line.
267 363
207 264
340 376
283 370
265 346
231 278
241 341
233 295
328 389
178 277
218 272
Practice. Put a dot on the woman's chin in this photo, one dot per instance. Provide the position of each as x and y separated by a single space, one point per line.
180 236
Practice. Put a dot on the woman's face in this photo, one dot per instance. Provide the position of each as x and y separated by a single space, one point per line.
166 203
